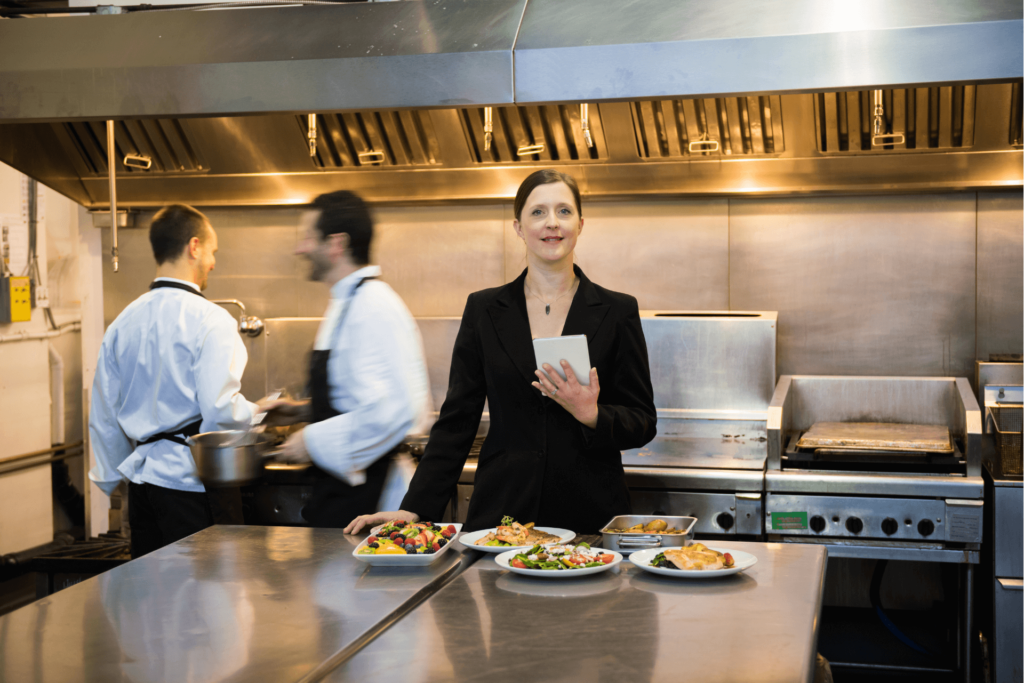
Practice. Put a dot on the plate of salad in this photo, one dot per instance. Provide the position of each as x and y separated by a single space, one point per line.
511 535
558 561
402 544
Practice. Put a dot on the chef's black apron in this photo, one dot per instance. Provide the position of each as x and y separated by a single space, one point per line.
335 503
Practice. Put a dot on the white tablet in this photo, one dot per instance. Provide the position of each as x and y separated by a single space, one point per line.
553 350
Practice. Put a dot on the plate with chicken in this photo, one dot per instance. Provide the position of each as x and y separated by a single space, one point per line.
511 535
697 561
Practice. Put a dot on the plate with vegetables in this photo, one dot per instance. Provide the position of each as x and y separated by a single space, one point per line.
696 561
558 561
402 544
511 535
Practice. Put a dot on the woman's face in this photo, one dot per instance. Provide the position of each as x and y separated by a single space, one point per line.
550 223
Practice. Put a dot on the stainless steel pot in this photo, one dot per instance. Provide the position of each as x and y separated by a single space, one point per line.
229 458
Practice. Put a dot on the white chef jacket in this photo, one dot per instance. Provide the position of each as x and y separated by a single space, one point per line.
169 358
377 377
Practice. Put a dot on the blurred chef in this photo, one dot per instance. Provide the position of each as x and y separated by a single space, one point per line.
367 375
170 367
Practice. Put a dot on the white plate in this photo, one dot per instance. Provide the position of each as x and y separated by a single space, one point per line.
742 560
504 559
418 560
469 538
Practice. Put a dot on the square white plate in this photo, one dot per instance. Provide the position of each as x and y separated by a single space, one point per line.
417 560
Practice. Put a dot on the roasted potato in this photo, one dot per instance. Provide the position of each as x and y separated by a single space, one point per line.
656 525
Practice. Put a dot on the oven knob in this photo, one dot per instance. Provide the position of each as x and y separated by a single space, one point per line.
724 520
925 527
854 525
890 526
817 524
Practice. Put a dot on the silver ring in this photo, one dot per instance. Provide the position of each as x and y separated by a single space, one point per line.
554 391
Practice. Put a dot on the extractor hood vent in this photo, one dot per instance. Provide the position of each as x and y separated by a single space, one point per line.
531 134
1016 115
373 138
673 129
165 142
929 118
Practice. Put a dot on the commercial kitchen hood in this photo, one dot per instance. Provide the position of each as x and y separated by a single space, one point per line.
219 101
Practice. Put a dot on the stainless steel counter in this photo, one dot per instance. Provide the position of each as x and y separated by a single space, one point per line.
238 603
623 625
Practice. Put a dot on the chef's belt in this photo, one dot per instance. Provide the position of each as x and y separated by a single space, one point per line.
178 435
335 503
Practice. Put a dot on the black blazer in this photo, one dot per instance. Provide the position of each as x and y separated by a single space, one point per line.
538 463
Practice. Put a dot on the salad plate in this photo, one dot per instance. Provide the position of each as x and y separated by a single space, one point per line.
504 560
471 537
415 560
742 561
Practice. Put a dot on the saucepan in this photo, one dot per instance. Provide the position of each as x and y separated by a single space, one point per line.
230 458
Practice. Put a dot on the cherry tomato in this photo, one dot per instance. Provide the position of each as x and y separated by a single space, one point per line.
518 564
607 559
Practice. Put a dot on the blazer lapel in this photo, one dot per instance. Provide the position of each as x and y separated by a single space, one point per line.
587 310
508 314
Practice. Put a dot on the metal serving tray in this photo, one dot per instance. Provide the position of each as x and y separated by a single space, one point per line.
628 542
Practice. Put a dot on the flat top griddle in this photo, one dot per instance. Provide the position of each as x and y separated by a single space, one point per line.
877 436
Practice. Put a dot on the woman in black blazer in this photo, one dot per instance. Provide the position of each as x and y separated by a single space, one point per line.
553 451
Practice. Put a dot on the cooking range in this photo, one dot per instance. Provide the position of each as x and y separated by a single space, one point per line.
713 374
877 466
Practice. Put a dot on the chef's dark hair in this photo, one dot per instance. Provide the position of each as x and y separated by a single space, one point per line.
346 212
173 228
544 177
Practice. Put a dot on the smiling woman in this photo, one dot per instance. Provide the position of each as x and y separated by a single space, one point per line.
553 451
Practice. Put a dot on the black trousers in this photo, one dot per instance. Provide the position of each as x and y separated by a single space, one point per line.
334 503
160 516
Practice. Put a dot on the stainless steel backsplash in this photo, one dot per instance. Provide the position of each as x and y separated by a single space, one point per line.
916 285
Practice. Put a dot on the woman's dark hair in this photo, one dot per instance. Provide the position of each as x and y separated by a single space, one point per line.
544 177
174 227
346 212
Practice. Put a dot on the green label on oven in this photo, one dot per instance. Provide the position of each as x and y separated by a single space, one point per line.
789 520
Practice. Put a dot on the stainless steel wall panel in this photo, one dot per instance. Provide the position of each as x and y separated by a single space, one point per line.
434 257
438 342
711 363
670 255
603 49
1000 273
879 286
246 60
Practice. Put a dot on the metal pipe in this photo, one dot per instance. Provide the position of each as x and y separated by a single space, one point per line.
25 336
30 465
112 171
36 454
56 396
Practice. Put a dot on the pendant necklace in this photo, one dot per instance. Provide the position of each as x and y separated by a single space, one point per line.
547 306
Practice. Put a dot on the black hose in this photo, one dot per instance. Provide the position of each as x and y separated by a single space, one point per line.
876 602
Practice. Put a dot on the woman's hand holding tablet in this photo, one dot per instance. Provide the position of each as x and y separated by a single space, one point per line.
558 358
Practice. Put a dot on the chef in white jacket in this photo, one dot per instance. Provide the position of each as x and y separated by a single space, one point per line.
170 367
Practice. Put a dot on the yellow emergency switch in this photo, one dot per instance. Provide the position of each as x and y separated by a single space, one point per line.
21 299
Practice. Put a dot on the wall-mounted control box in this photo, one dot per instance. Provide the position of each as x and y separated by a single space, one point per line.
15 299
